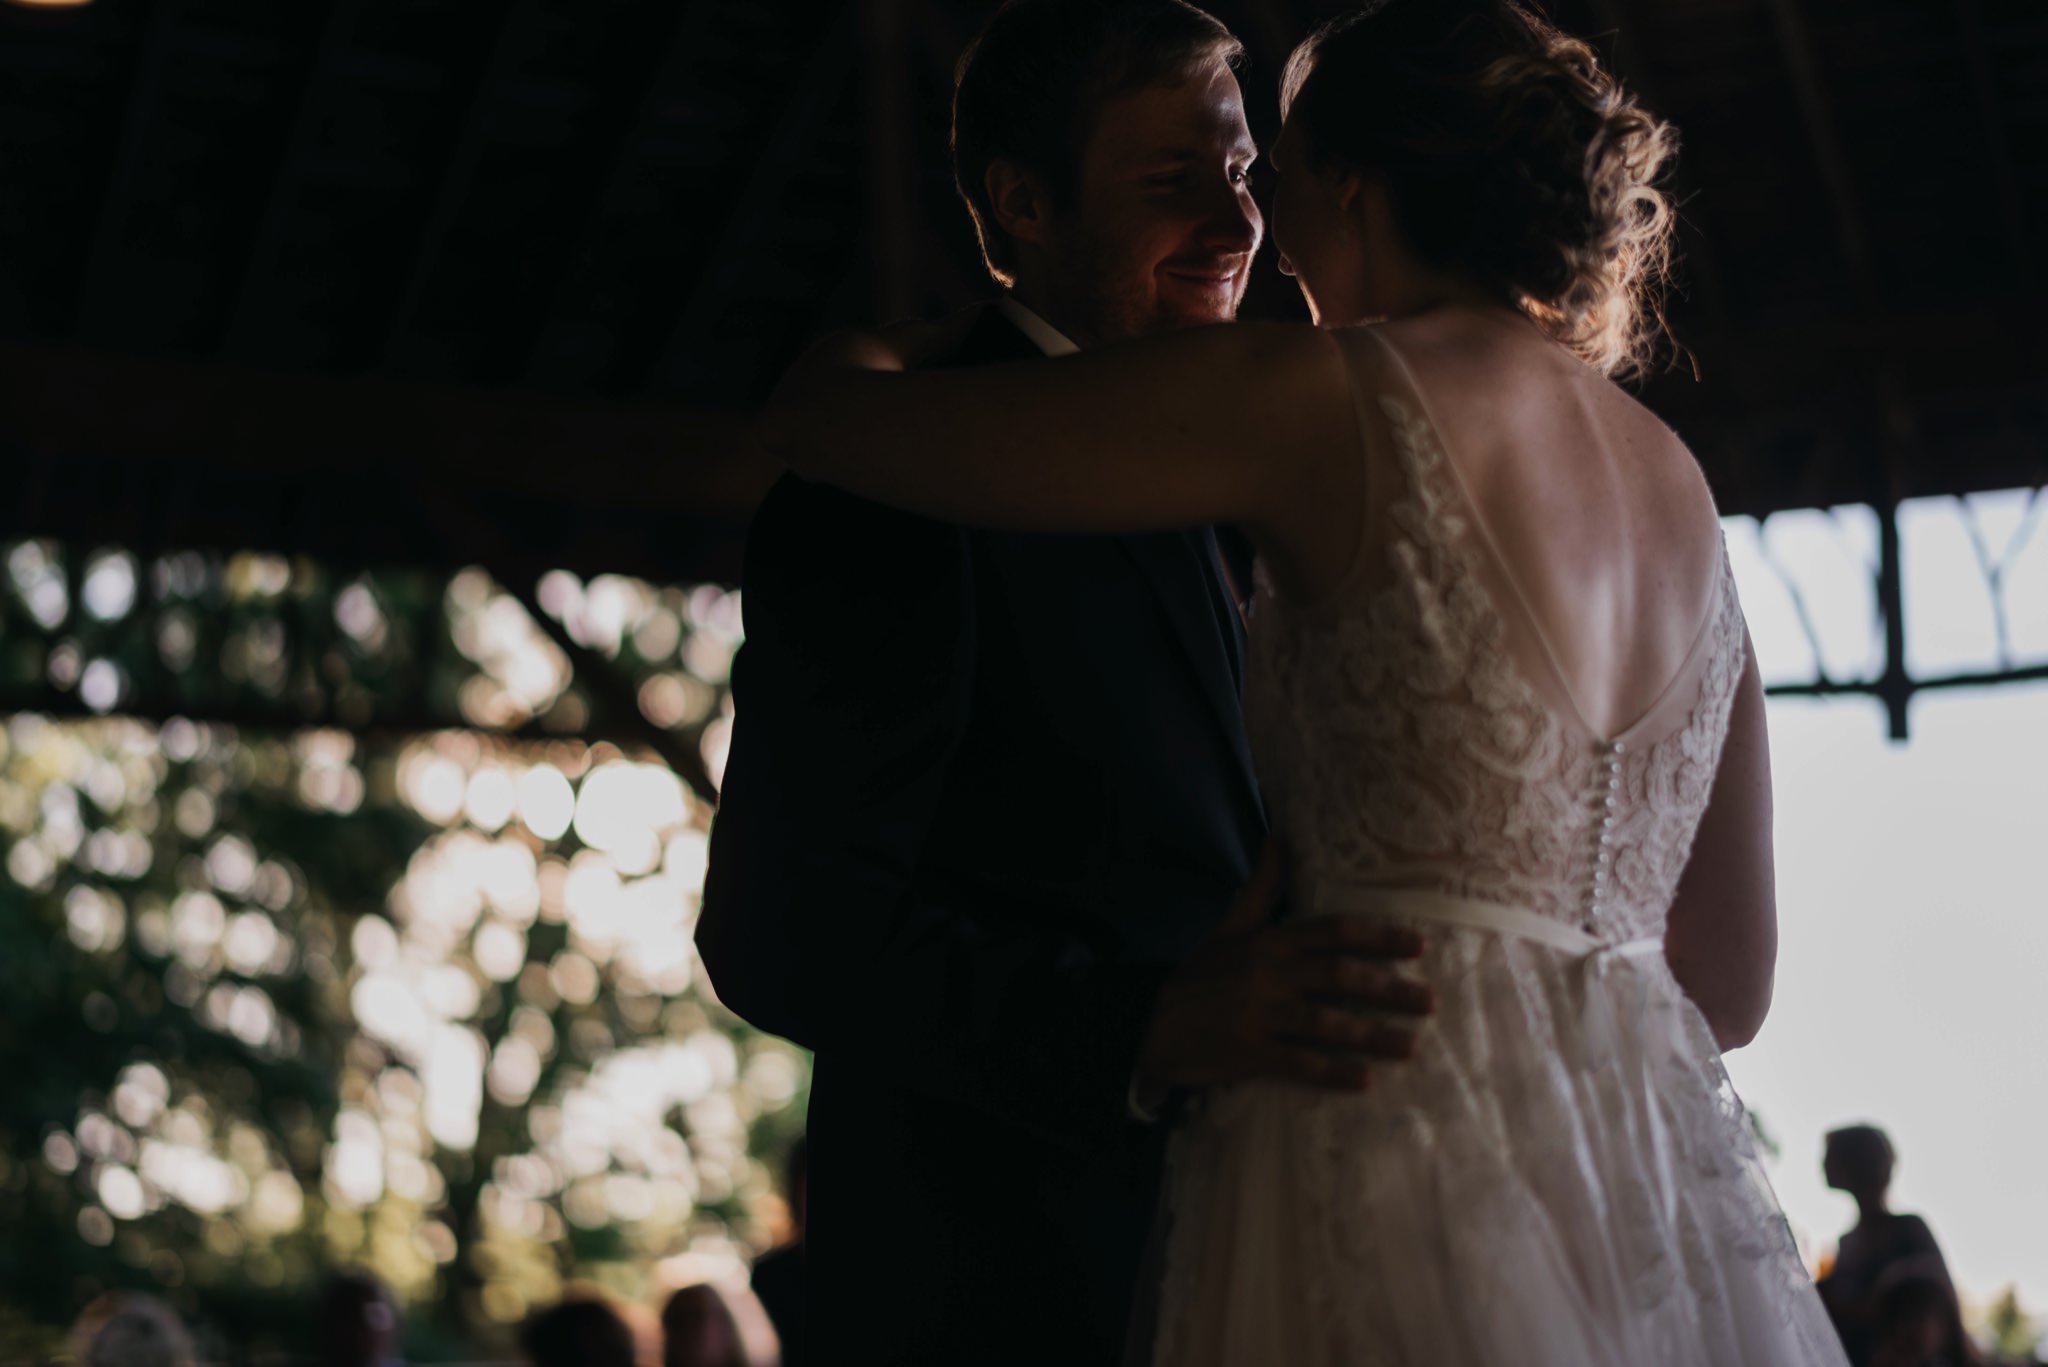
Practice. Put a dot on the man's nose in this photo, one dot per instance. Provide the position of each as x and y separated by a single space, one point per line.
1232 223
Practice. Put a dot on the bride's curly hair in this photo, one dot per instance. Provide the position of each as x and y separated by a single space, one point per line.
1509 154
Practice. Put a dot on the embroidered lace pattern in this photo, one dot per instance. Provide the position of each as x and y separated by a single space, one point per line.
1562 1175
1400 743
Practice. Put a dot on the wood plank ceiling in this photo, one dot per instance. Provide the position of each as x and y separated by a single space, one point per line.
635 200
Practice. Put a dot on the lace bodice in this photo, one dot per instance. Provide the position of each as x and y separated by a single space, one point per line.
1402 738
1561 1174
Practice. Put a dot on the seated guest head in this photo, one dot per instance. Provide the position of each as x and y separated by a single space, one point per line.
1859 1161
128 1329
356 1321
582 1331
710 1326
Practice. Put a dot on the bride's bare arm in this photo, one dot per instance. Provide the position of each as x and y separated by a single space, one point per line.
1221 424
1722 937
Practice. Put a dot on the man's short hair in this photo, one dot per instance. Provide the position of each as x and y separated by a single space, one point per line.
1031 84
1864 1151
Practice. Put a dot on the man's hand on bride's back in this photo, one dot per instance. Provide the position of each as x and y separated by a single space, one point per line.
1306 1000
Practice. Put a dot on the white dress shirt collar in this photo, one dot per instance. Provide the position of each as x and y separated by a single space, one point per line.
1048 338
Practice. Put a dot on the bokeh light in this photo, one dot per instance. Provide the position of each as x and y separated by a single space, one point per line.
340 975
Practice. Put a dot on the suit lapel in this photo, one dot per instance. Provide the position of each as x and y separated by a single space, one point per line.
1172 568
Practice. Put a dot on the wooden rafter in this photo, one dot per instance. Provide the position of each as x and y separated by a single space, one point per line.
316 88
1824 140
815 92
624 141
464 152
1984 86
219 455
117 199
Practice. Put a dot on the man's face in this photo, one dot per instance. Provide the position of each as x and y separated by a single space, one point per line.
1161 230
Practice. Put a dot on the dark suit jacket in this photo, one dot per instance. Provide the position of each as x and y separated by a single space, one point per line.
778 1282
983 790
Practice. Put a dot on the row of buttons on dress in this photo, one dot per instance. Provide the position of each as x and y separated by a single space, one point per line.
1604 798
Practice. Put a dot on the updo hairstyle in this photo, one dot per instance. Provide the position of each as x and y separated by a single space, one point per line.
1510 157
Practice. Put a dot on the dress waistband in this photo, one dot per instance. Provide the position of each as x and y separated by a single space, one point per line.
1424 906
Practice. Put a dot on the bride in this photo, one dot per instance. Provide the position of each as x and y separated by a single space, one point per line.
1501 689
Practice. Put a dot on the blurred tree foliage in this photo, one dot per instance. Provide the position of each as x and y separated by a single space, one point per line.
2010 1332
278 996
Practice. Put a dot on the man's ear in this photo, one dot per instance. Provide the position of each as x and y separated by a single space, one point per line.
1018 199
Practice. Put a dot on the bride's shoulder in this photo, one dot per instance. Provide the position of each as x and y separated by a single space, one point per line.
1447 331
1432 349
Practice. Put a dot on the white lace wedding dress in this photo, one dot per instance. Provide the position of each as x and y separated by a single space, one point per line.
1562 1176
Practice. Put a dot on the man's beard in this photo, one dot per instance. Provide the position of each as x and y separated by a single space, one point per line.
1118 307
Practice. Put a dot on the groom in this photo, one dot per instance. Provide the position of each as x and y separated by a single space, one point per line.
990 842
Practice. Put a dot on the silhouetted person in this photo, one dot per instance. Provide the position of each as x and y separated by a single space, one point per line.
1859 1161
778 1277
357 1322
704 1326
1917 1323
580 1332
128 1329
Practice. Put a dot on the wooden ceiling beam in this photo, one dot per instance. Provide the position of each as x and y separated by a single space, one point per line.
1824 141
1984 86
315 91
117 200
813 95
593 455
465 150
663 82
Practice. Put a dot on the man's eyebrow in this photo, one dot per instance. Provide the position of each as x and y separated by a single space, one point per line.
1164 155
